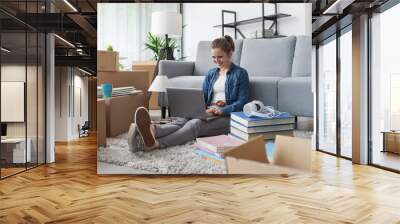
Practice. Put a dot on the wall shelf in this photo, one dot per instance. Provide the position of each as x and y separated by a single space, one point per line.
235 24
254 20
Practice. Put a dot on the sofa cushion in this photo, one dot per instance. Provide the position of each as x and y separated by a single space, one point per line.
264 89
302 57
186 82
172 69
181 82
204 60
268 57
295 96
238 51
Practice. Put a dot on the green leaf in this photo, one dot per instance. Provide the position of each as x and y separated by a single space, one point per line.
155 44
110 47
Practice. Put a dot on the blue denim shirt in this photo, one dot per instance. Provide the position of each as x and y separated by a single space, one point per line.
236 88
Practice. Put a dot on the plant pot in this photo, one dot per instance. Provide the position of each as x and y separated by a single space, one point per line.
167 54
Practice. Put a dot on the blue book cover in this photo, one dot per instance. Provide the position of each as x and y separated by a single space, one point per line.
282 118
270 149
282 115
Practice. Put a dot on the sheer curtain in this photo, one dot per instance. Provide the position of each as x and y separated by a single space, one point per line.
125 27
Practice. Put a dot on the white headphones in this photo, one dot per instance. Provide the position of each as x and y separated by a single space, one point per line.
257 109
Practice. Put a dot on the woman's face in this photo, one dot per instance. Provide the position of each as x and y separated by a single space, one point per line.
220 58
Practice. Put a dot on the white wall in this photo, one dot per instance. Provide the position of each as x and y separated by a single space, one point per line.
61 103
33 125
80 84
200 18
314 90
68 81
299 23
17 73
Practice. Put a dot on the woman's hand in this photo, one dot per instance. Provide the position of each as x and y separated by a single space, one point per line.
214 112
220 103
217 112
210 111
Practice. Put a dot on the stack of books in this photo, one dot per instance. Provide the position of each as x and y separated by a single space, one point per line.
213 148
120 91
246 128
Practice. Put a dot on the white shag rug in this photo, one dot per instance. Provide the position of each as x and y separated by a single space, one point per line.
180 159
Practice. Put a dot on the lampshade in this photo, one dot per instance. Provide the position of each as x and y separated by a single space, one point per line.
159 84
169 23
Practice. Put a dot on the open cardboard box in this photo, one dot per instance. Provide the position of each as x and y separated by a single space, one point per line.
292 156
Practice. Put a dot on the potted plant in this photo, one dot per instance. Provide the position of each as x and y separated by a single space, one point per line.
154 44
160 47
110 47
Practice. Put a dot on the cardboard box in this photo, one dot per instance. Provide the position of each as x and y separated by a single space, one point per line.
120 112
138 79
101 123
392 142
107 61
150 67
292 155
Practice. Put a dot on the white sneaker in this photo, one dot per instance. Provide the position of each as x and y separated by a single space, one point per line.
143 123
135 141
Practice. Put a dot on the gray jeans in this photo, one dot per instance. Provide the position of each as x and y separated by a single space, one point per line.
184 130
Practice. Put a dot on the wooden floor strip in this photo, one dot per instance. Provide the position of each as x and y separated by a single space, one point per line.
70 191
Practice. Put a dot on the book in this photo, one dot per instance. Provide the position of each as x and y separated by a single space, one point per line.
261 129
203 153
209 152
218 162
219 143
115 94
283 118
266 135
237 138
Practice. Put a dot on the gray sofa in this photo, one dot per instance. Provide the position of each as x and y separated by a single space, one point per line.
279 71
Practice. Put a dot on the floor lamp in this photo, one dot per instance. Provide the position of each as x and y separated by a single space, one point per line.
168 24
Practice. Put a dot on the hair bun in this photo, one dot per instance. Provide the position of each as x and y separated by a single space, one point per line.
225 43
230 41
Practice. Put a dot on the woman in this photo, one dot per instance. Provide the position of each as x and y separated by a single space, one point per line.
226 89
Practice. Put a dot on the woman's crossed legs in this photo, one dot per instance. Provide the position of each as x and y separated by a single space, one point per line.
175 133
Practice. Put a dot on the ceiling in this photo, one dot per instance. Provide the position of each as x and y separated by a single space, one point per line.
74 22
331 15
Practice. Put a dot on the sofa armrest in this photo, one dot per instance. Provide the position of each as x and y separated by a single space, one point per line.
175 68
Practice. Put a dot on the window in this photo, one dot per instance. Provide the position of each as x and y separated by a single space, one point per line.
125 27
327 96
22 65
346 93
385 87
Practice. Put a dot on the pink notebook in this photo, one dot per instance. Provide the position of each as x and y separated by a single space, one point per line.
219 143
